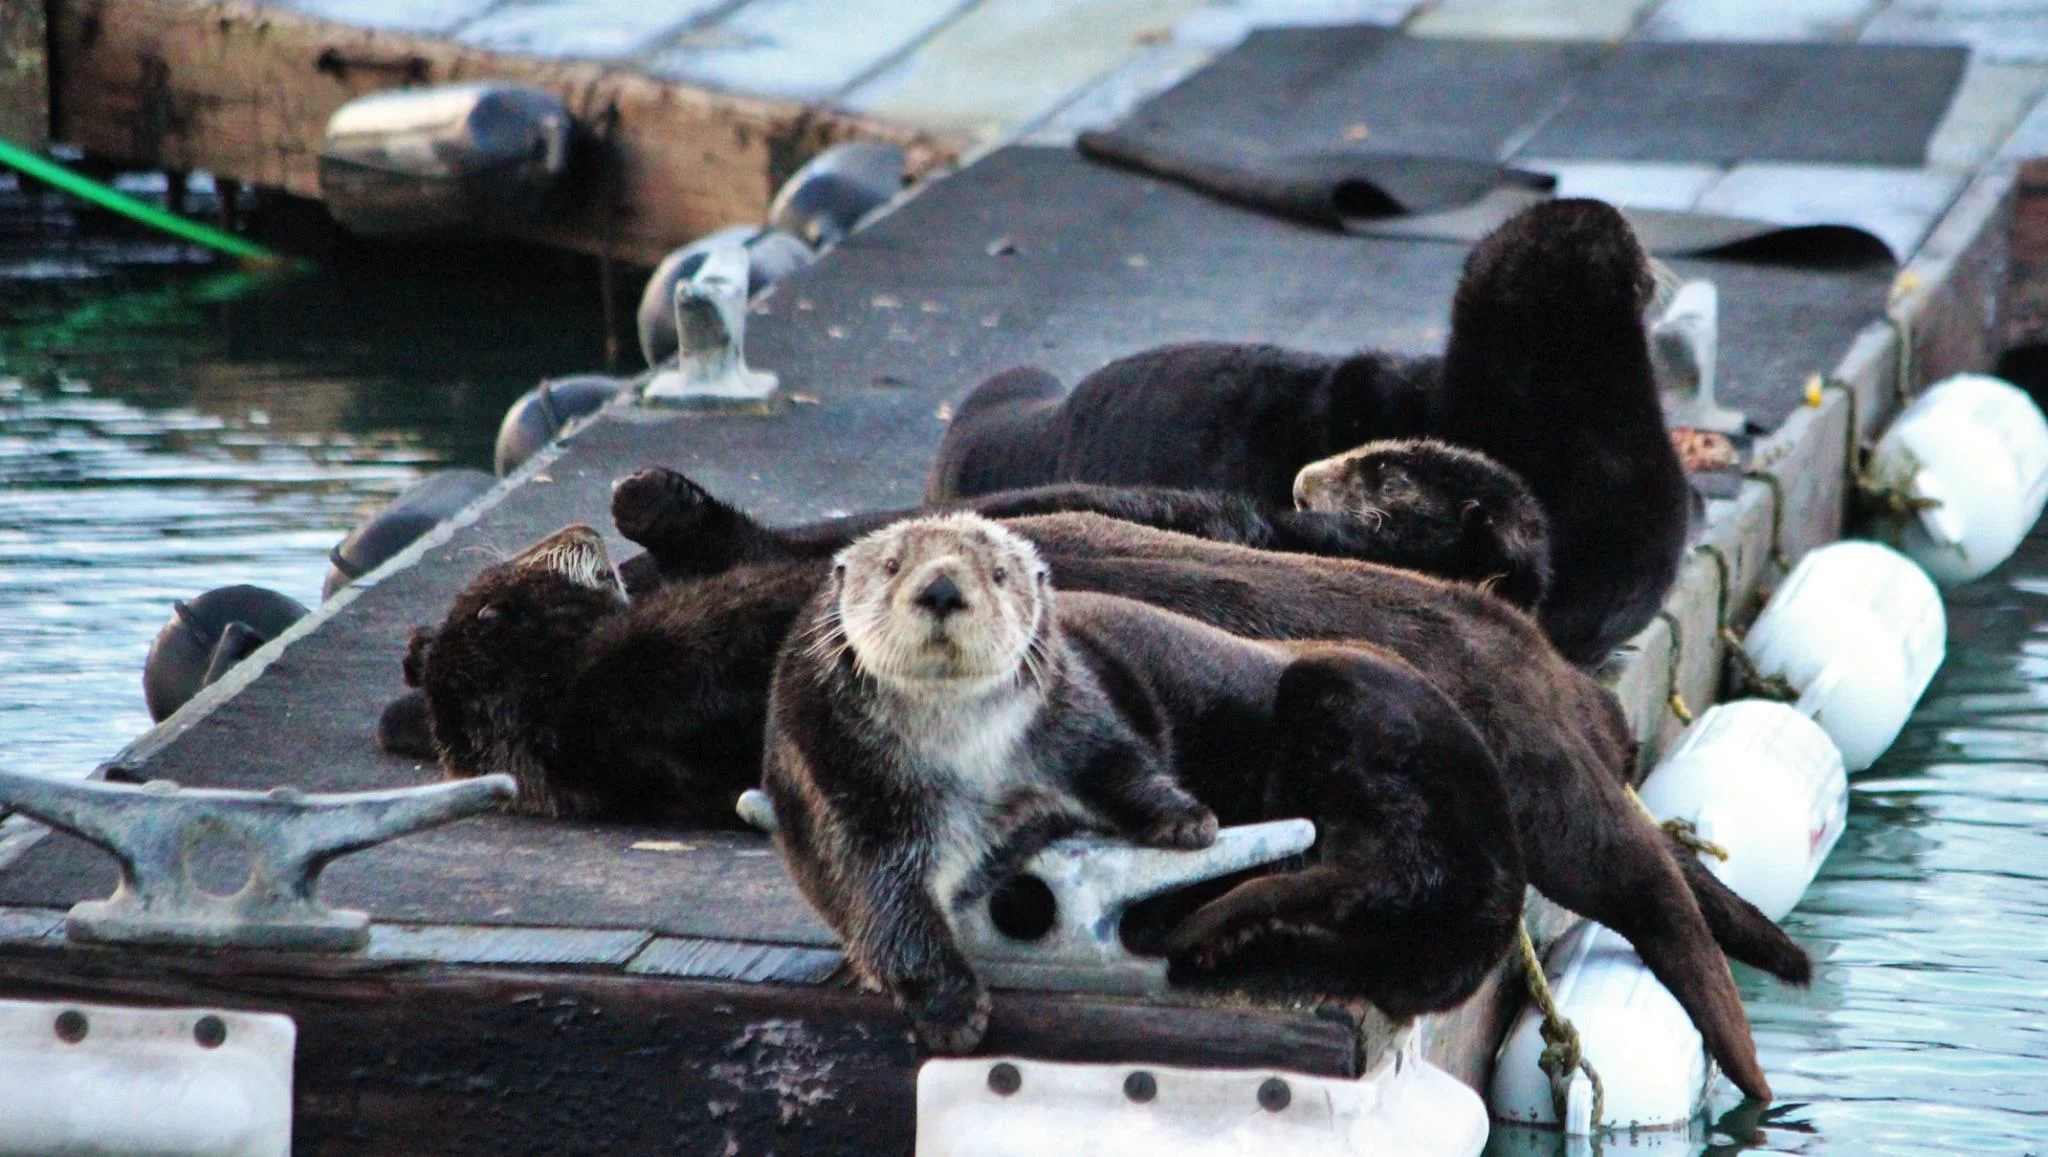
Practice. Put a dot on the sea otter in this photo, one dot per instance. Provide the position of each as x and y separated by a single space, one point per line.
1546 370
666 700
939 714
1418 505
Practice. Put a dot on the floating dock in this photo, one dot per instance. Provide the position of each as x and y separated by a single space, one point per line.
536 986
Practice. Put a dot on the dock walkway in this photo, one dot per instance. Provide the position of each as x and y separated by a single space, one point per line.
530 981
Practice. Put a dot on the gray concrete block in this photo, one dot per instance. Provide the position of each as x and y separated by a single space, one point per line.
1531 19
1635 184
583 29
1898 206
1007 64
1999 30
1757 19
807 50
1993 99
394 15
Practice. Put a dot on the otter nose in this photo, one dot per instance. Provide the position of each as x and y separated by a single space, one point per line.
941 597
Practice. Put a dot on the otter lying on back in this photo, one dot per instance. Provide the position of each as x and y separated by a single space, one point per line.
939 715
1547 371
1418 505
666 701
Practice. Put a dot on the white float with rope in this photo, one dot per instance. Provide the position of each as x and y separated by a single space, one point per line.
1761 788
1857 631
1961 476
1762 794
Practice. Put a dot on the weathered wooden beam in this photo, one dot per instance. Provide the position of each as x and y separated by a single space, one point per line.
24 73
245 91
422 1058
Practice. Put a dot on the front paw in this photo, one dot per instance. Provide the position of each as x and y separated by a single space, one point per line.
656 501
1189 830
951 1019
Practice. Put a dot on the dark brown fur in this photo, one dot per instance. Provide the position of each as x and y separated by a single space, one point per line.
1546 371
1559 738
1416 888
1444 511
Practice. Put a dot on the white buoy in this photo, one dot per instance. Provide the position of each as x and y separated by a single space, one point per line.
1858 631
1763 782
1975 450
1653 1067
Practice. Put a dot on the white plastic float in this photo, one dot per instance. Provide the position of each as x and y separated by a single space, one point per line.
1858 630
1766 785
1975 449
1653 1066
1402 1106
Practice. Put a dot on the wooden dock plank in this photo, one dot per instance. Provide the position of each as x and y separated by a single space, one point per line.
241 90
424 1058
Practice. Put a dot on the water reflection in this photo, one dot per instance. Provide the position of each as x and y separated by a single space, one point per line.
163 432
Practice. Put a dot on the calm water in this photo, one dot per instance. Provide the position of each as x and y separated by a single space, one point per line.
167 428
170 430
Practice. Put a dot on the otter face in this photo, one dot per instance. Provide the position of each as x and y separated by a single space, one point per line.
494 668
1410 480
955 598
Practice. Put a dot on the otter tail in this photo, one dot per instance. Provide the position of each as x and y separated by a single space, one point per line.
1743 932
997 439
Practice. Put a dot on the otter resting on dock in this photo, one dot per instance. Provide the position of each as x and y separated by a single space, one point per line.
655 710
939 714
1547 371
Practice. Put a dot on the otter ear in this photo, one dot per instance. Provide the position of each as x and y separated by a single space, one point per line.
415 665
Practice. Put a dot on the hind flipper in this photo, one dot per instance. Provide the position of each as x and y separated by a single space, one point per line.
1743 932
1627 880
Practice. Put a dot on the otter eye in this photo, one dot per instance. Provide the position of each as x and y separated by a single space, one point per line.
1040 576
839 573
997 575
891 566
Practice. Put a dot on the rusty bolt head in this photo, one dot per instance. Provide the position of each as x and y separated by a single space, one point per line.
1141 1086
71 1026
1274 1094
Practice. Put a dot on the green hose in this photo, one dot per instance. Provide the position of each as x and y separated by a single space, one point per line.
85 188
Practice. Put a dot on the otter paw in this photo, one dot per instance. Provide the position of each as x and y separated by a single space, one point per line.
952 1019
1189 830
656 499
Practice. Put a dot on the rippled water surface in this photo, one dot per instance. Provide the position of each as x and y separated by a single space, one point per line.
164 433
171 428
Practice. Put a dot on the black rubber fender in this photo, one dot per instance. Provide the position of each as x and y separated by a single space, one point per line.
206 637
392 529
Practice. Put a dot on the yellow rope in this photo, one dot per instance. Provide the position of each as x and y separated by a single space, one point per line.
1681 830
1562 1053
1671 675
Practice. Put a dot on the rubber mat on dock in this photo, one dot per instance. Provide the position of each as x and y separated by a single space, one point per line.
1345 126
1031 255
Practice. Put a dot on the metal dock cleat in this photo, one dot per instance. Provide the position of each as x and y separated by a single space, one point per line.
288 836
711 324
1093 881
